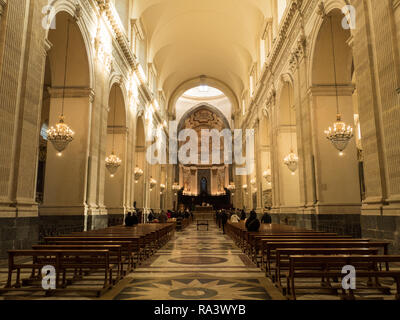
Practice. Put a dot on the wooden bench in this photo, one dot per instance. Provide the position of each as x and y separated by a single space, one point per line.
271 246
202 223
115 256
283 255
331 267
61 260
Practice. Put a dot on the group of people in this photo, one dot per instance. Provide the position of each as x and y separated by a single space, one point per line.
133 218
252 222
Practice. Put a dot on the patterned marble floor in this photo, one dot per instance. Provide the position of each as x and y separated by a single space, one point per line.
196 265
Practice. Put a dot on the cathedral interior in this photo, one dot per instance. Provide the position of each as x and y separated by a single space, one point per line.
284 108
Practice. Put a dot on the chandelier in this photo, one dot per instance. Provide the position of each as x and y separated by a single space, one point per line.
152 183
113 162
175 186
244 187
231 186
341 134
162 187
138 173
253 181
61 135
291 161
267 175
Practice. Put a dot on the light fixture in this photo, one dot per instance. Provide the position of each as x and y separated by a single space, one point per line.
162 187
291 160
253 181
176 186
113 162
267 175
152 183
231 186
244 187
61 135
137 174
340 134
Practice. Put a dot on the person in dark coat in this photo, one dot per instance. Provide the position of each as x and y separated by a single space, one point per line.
252 223
243 215
266 218
129 220
135 219
224 219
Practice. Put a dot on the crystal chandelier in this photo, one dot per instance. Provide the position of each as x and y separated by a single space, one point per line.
152 183
244 187
162 187
231 186
113 162
253 181
267 175
138 173
341 134
61 135
175 186
291 161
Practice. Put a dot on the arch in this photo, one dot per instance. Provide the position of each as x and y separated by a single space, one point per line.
212 82
330 7
199 106
71 9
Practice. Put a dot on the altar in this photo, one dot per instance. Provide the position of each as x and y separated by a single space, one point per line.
204 213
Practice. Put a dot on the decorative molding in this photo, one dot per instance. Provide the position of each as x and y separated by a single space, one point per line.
3 3
71 92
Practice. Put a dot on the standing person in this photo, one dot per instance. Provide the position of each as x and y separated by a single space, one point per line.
266 218
150 217
224 220
252 223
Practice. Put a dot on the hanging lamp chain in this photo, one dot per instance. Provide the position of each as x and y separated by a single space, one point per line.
334 67
65 68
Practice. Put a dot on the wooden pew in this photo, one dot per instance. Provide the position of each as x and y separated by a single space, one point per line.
61 260
115 255
331 267
272 246
283 255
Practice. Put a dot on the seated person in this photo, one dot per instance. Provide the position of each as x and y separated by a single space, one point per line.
252 223
135 219
235 218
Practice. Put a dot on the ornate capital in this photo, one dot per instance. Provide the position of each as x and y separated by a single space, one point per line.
321 9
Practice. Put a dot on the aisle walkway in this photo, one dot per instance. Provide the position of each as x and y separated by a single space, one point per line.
196 265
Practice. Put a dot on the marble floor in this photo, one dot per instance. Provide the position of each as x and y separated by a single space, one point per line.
196 265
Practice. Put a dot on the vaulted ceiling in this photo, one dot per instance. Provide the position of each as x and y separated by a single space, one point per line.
190 38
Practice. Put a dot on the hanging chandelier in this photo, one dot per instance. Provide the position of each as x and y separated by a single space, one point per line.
291 160
61 135
231 186
175 186
138 173
267 175
253 181
162 187
113 162
341 134
152 183
244 187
